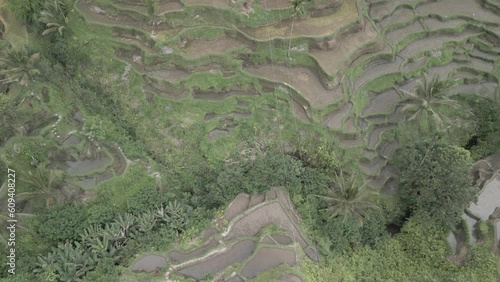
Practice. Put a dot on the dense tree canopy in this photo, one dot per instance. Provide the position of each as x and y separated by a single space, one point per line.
434 180
26 10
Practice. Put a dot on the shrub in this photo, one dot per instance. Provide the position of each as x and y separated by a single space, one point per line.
61 223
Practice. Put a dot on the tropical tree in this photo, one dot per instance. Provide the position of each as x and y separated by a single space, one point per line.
45 182
102 248
121 230
146 222
434 181
173 215
429 95
55 16
25 10
348 198
19 66
68 262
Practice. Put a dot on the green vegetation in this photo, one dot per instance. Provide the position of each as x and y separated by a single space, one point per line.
197 131
428 95
348 198
434 181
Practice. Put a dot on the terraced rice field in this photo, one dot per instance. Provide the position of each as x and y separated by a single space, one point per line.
339 70
244 245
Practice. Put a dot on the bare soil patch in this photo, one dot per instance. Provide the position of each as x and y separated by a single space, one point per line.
369 154
299 111
465 73
312 253
267 258
274 4
484 55
302 79
282 239
334 120
71 140
414 64
396 35
209 232
200 47
382 103
400 15
485 89
216 263
447 8
390 187
83 166
488 200
267 240
269 214
149 263
376 69
352 142
443 70
374 136
350 125
181 257
482 65
310 27
436 23
213 3
346 46
432 42
372 167
237 206
256 199
387 149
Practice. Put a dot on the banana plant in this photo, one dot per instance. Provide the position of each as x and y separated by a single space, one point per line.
146 222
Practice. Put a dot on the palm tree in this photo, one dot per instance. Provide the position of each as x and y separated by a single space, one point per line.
348 199
45 181
55 15
428 96
20 66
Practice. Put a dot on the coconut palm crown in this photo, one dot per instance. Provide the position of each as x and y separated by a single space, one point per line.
347 198
429 95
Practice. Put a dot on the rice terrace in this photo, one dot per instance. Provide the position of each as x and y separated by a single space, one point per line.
250 140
